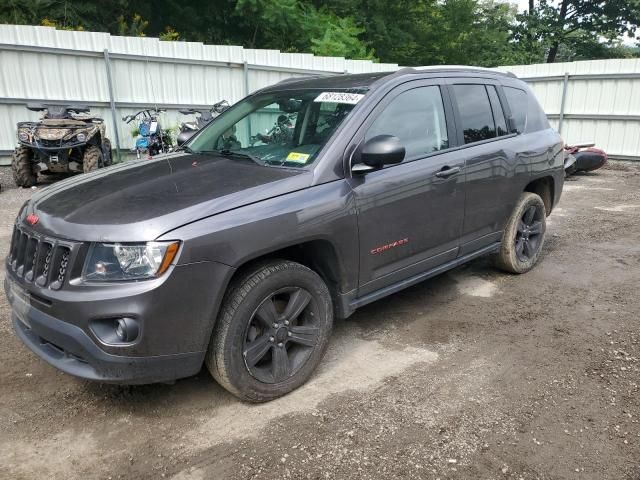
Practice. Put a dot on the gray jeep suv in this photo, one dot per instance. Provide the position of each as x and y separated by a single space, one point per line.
301 203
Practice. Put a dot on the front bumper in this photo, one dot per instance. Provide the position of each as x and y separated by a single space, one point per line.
69 349
176 321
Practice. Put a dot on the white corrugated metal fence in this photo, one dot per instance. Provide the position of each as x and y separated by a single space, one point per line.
587 101
41 64
591 101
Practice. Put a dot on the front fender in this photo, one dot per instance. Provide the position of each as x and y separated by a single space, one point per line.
321 212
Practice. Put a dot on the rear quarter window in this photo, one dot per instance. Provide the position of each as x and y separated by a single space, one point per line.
519 105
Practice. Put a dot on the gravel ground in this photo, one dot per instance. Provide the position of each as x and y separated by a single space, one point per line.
474 374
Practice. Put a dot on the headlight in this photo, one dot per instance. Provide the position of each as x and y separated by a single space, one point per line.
23 136
81 137
128 261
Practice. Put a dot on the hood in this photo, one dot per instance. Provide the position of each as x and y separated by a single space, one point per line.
141 200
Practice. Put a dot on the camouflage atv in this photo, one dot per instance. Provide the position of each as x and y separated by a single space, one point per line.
65 140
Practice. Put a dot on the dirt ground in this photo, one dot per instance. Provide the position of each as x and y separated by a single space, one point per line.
472 375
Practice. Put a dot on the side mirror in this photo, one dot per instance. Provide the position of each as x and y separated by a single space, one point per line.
378 152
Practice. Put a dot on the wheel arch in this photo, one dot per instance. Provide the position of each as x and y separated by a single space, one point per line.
544 187
320 255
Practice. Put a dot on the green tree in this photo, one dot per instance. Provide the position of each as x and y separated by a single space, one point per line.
341 39
295 26
432 32
133 28
578 27
169 35
476 33
91 15
408 32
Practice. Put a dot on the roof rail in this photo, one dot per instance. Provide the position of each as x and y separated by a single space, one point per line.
463 68
305 77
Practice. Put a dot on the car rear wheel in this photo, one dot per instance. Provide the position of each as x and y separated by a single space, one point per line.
524 235
92 159
272 332
23 168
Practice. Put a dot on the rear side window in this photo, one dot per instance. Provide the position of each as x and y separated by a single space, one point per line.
519 104
476 112
417 118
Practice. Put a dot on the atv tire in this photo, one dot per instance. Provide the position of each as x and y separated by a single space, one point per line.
92 159
108 157
24 170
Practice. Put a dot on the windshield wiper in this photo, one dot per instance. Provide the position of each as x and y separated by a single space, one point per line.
233 153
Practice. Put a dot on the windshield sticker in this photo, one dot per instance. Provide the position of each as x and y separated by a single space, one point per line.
339 97
298 157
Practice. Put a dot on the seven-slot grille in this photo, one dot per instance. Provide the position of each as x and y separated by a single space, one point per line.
39 259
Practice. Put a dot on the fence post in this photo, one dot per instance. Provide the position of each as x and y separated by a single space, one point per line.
112 102
565 86
245 73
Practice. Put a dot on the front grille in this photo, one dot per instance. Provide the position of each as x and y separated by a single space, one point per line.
39 259
50 143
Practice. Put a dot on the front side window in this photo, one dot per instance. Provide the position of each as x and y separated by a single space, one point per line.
417 118
475 112
278 128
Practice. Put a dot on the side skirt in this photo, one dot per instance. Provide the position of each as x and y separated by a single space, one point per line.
349 301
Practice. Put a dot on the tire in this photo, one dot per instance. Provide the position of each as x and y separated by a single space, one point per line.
258 351
106 147
588 160
23 168
92 159
524 235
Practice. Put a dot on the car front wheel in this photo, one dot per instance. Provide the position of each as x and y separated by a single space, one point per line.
272 331
524 235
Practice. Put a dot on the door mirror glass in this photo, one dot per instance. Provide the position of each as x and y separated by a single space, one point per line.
382 150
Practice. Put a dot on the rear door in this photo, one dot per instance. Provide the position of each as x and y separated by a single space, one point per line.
410 215
491 163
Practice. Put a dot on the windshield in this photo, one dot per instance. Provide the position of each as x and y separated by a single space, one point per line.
278 128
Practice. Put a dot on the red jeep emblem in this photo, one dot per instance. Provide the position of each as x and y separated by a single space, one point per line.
32 219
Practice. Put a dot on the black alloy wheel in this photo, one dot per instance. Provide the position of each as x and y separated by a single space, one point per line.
281 335
529 233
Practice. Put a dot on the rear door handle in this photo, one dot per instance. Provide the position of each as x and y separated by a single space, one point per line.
447 172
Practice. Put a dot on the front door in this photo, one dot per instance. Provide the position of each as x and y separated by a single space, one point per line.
410 215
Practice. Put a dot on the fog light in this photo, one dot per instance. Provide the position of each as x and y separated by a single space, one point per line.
126 329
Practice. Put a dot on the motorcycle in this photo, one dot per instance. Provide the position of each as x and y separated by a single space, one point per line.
153 139
203 118
281 132
583 158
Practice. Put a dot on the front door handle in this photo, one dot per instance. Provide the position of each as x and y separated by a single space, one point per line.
447 172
